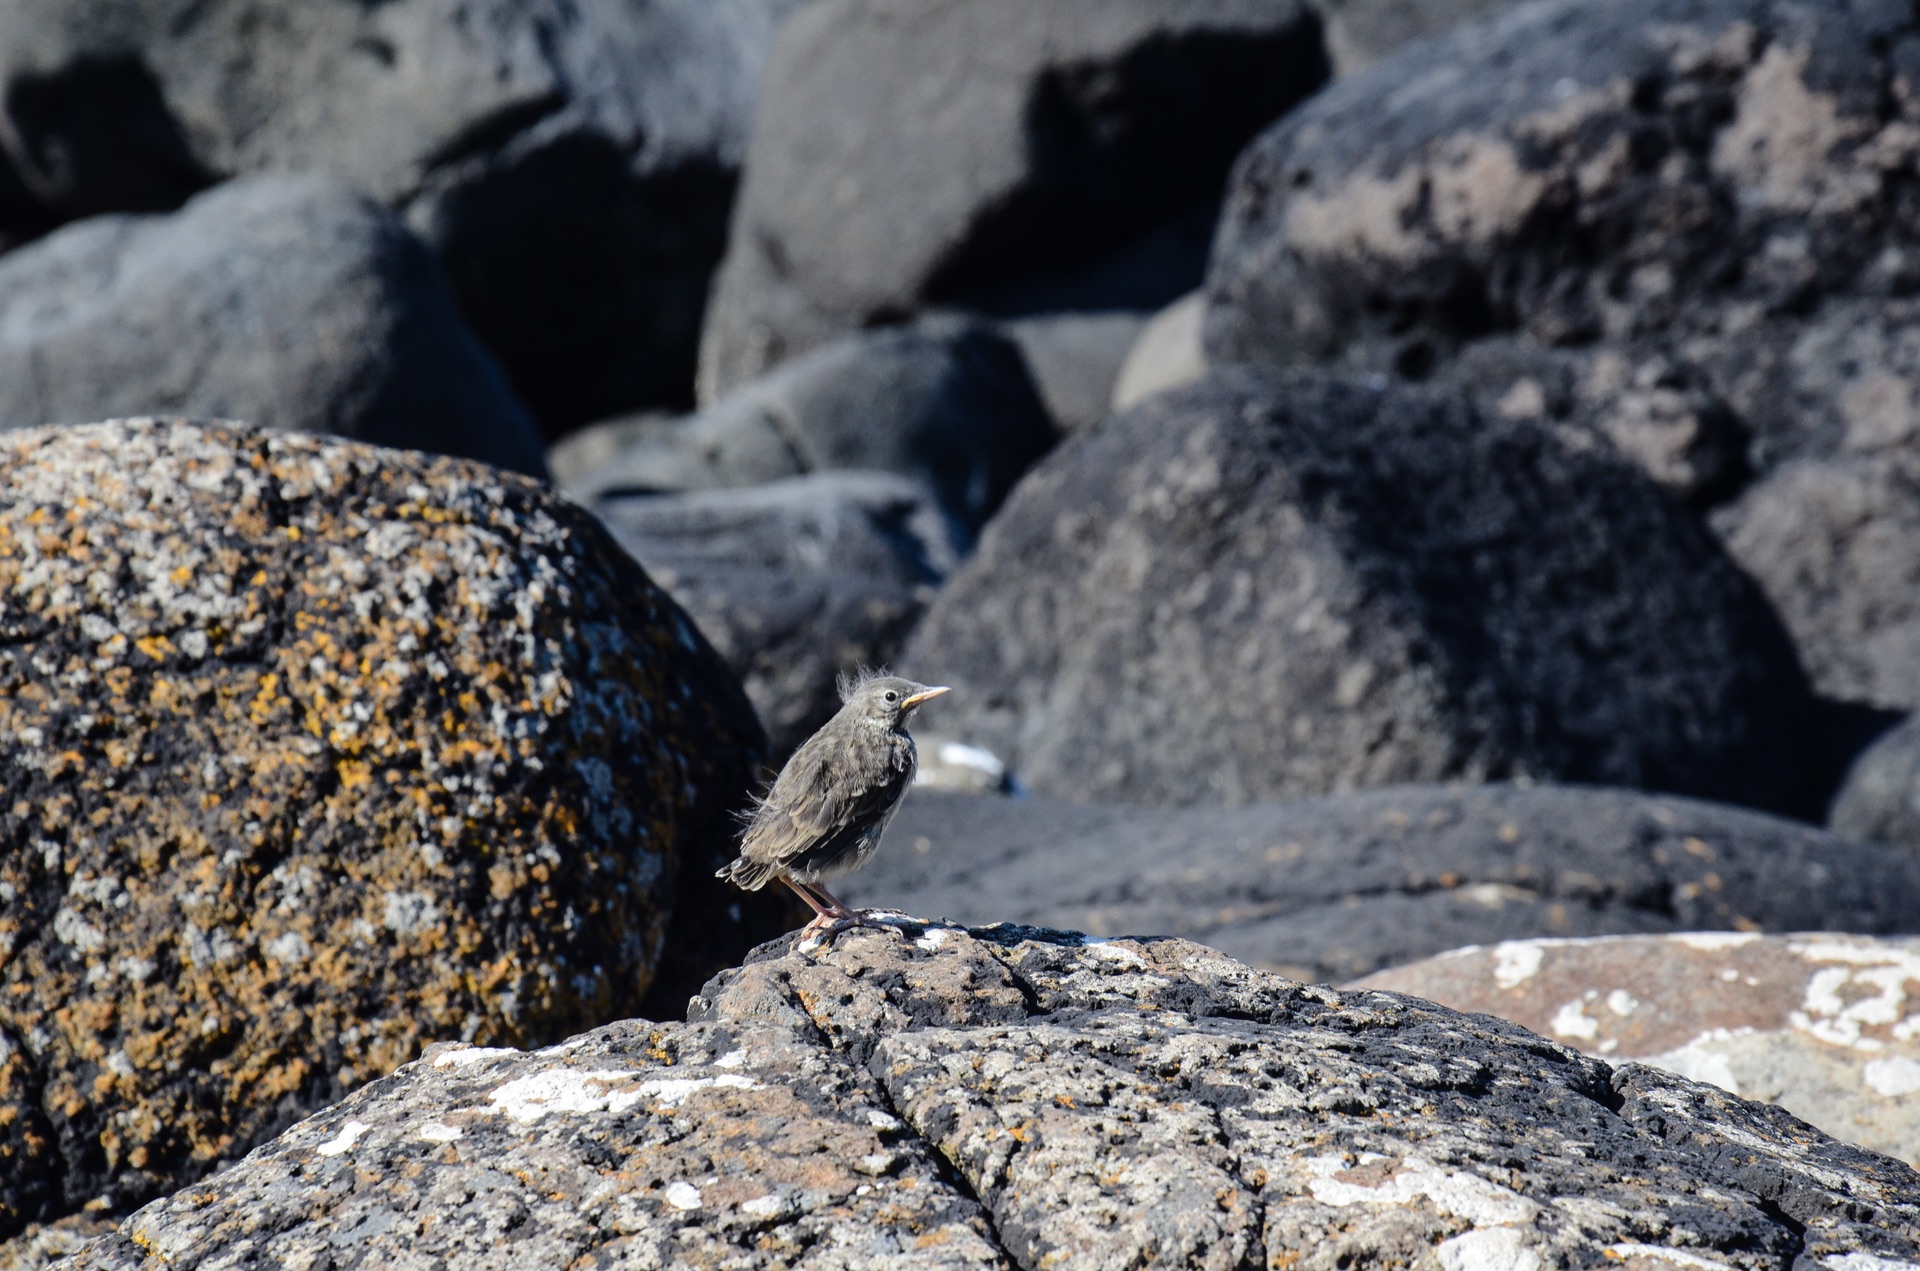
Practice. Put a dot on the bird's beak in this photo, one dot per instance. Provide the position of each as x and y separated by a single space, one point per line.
924 695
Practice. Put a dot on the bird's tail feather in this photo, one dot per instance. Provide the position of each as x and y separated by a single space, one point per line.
745 874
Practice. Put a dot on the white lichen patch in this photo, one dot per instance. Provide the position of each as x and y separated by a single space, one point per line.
1515 962
1487 1249
467 1056
683 1195
1338 1182
1572 1020
350 1134
1661 1253
1895 1078
439 1132
613 1091
1868 1262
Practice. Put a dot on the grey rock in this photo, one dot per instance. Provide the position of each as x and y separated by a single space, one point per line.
1022 156
1361 32
573 163
1275 586
1336 888
796 582
1074 359
311 753
1009 1097
1168 354
1825 1026
1600 216
946 401
289 302
573 459
1879 802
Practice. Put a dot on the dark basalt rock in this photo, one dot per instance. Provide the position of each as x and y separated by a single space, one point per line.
289 302
1683 226
1016 1098
573 164
796 582
311 753
1019 156
1276 586
1336 888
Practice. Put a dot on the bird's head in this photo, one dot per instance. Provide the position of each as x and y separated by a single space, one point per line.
886 699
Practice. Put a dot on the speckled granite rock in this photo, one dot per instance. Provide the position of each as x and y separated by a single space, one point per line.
1827 1026
1335 888
1010 1097
310 754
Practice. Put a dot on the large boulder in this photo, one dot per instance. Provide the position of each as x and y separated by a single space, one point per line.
1361 32
310 754
1879 802
1335 888
1825 1026
1275 586
289 302
947 401
573 163
1693 224
1011 1098
1022 155
797 582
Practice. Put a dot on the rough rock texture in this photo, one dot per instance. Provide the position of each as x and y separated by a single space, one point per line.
947 401
1020 155
1825 1026
1361 32
289 302
796 582
1074 359
310 754
1274 586
1879 801
573 161
1684 226
1003 1098
1167 355
1331 889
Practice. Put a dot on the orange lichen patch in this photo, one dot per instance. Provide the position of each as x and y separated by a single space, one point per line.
313 753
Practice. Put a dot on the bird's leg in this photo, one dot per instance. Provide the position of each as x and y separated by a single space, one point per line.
831 916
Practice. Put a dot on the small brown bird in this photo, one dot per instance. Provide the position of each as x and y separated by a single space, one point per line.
829 806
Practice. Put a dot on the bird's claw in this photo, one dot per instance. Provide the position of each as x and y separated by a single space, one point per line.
825 927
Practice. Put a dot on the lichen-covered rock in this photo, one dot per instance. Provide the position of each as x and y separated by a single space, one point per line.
1826 1026
1692 220
1335 888
310 754
1015 1098
1279 585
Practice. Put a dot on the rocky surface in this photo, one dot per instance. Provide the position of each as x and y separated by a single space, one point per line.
1333 889
1013 1098
1826 1026
573 163
1031 156
289 302
1167 354
1275 586
1074 359
795 582
312 753
1361 32
1880 799
1681 225
948 402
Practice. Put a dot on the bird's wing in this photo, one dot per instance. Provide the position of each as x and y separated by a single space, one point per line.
817 799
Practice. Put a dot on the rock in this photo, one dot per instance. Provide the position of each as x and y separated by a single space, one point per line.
948 764
1693 220
284 301
311 753
1168 354
1336 888
1008 1097
573 164
1074 359
796 582
1277 586
1021 156
574 458
42 1245
1879 802
947 402
1361 32
1825 1026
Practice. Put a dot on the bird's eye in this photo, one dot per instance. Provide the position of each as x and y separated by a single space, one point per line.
892 696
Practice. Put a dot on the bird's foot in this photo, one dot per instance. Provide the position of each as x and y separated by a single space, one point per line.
826 926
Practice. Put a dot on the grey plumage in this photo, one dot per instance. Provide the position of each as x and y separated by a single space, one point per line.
827 810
